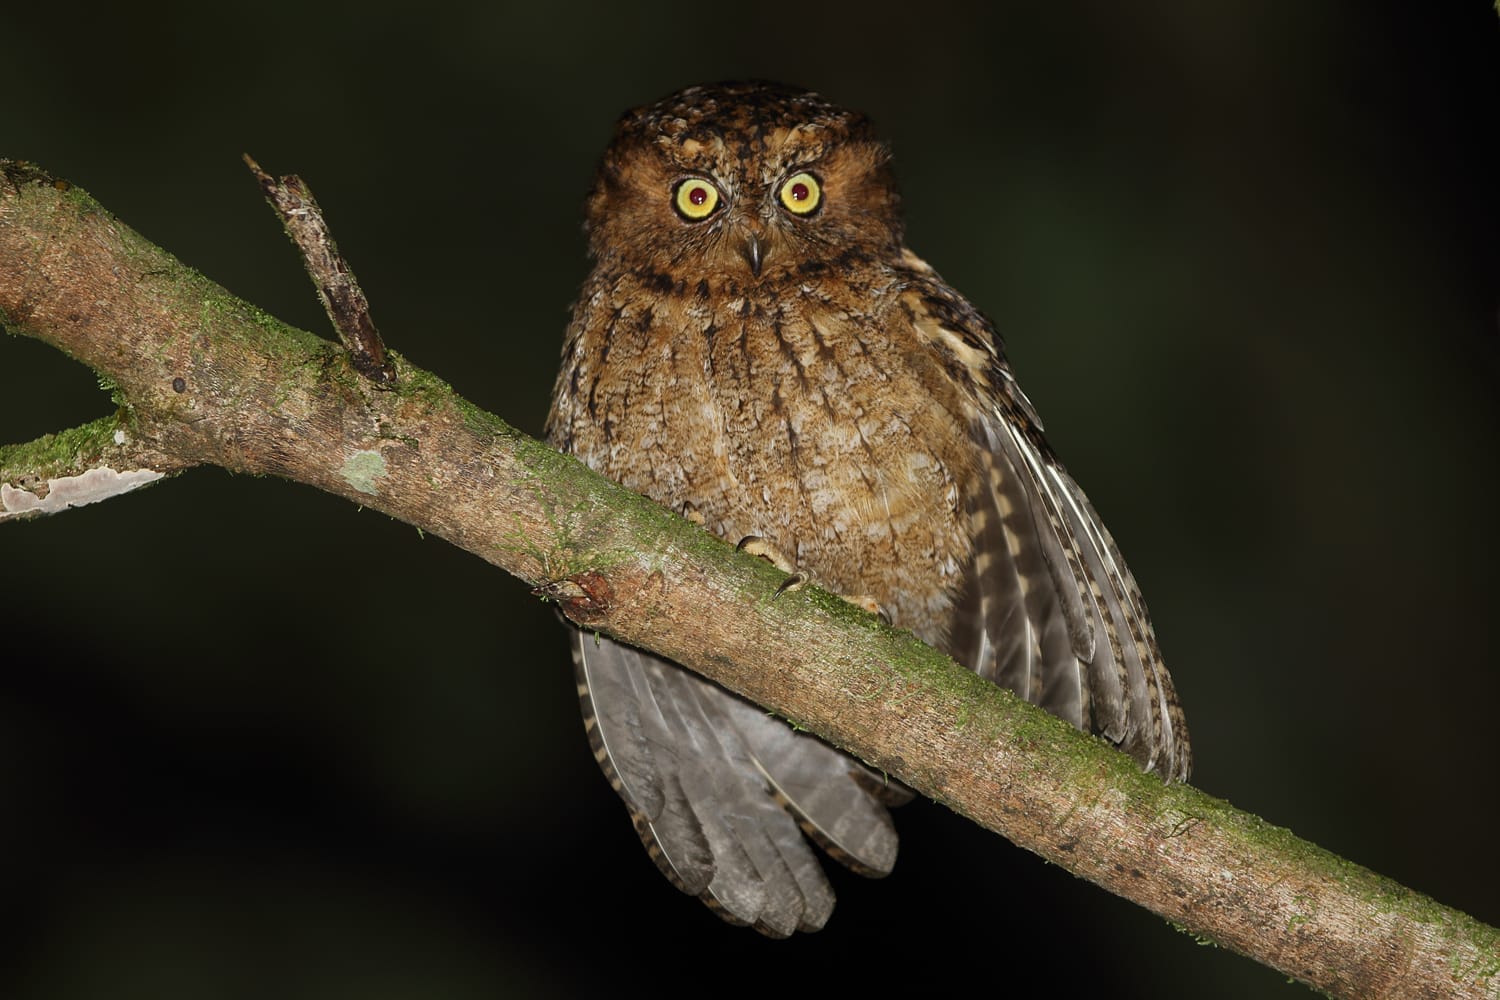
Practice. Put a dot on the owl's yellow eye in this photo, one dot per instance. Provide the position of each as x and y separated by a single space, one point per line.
696 199
801 194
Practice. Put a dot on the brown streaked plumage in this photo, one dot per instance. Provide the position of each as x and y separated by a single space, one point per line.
756 345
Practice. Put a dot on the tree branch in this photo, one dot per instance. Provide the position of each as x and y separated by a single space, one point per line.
203 378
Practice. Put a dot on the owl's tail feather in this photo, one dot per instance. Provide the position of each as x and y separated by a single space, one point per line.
718 790
836 801
624 742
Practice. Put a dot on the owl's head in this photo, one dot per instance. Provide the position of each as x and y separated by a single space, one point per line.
745 181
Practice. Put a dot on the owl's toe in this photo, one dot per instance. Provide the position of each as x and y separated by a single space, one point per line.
767 550
796 579
868 603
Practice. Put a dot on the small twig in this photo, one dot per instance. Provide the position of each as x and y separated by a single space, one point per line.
339 292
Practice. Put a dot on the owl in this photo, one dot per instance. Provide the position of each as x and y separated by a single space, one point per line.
757 348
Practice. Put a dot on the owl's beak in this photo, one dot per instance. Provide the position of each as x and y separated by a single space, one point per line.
754 251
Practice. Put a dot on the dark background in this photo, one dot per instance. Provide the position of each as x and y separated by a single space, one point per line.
1244 257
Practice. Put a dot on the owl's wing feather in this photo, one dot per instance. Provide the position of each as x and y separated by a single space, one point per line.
1047 606
1108 677
1160 737
1093 661
721 793
1011 624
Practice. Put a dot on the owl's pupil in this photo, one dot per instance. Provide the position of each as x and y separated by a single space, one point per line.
799 191
698 195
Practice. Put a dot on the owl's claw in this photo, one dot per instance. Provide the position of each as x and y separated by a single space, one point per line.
794 582
871 605
796 579
758 546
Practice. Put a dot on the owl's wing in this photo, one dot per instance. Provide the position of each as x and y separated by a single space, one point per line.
1047 607
717 789
1046 557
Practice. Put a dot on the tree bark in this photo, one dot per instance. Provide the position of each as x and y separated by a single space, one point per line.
203 378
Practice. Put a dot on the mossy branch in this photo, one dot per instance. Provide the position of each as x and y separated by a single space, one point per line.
203 378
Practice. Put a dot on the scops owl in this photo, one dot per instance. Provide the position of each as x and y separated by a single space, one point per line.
756 347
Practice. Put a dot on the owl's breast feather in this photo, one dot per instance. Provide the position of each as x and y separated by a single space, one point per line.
823 427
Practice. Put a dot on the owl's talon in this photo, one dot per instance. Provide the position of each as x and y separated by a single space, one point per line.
794 582
796 579
867 603
758 546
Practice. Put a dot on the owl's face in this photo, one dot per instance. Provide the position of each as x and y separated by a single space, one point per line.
749 182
